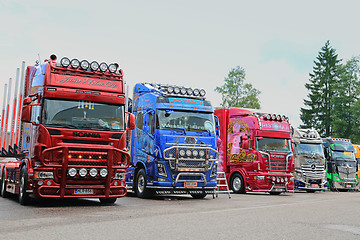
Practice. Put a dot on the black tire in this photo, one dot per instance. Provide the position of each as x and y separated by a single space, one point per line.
23 195
141 189
108 200
4 193
275 193
198 195
237 183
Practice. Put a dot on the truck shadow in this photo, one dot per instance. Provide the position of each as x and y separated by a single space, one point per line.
166 197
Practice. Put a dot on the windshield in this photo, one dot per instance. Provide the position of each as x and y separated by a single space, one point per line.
309 148
273 144
185 120
83 115
347 156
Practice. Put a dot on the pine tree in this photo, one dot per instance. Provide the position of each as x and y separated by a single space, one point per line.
319 105
236 93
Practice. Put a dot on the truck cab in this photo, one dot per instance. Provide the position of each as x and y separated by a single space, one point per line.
173 148
309 160
341 164
255 151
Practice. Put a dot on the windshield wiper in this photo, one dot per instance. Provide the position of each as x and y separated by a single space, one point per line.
61 125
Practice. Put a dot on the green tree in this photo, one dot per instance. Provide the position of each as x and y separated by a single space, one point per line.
346 113
322 87
236 93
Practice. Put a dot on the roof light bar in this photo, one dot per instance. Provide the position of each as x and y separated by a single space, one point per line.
103 67
84 65
113 67
94 65
75 63
65 62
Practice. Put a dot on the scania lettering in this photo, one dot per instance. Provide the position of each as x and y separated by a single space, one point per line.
309 161
73 133
173 148
341 164
255 151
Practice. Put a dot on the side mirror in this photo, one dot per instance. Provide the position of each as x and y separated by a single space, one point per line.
131 121
27 101
245 144
26 113
35 114
217 126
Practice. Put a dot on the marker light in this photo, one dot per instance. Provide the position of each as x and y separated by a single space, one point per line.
196 92
94 65
202 92
65 62
183 91
113 67
84 65
103 67
75 63
103 172
82 172
72 172
176 90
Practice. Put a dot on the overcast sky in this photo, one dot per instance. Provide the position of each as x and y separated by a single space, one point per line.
191 43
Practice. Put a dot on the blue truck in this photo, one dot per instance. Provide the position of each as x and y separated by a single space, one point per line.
173 146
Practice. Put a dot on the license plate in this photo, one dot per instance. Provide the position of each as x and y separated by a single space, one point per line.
83 191
348 185
279 190
190 184
314 186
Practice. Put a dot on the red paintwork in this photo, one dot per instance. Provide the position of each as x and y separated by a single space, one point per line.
50 152
247 161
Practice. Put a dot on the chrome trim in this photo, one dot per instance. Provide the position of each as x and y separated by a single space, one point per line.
190 174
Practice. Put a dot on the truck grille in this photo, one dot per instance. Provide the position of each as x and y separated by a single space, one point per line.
190 162
347 173
278 165
313 171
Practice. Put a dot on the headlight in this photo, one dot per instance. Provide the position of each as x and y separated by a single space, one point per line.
65 62
113 67
103 67
274 178
195 153
44 175
183 91
170 89
182 152
278 180
282 180
93 172
196 92
75 63
103 172
286 179
202 92
72 172
120 176
84 65
189 91
82 172
161 170
188 153
201 153
213 171
94 65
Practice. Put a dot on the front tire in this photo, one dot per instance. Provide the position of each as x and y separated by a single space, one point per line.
141 189
237 183
3 192
23 195
108 200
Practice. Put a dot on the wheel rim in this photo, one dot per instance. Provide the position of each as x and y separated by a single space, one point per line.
3 185
141 184
237 184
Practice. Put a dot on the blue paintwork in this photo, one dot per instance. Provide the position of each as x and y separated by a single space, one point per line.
147 149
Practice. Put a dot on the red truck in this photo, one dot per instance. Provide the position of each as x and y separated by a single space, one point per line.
255 151
73 134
